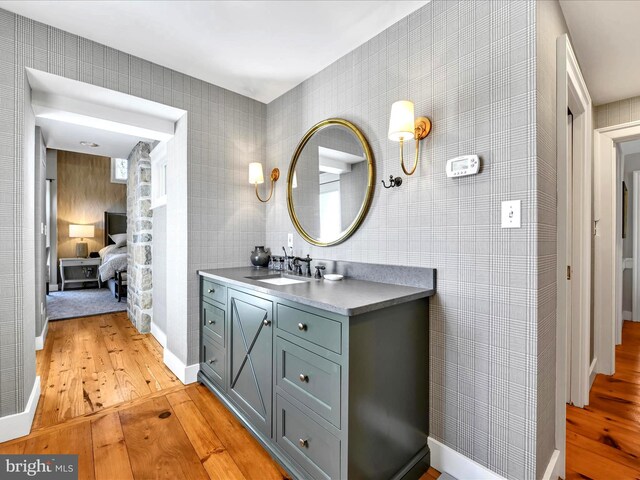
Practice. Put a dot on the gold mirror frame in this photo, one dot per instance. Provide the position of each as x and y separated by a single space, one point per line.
364 209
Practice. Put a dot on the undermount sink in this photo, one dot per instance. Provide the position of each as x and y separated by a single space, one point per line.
277 279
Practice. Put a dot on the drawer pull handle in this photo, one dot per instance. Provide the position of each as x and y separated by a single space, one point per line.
303 443
211 322
211 290
212 361
304 378
302 327
266 322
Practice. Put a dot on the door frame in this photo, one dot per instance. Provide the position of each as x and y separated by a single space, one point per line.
573 296
635 272
608 267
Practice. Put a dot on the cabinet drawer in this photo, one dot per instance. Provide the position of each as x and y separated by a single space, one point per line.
212 360
312 380
213 322
313 447
214 291
322 331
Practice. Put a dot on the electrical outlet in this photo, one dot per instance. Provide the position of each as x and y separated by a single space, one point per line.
511 214
290 240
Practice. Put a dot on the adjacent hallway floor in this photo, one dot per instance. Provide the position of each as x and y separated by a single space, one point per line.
110 399
603 439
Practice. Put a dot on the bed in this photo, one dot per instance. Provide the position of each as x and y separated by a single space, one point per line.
113 267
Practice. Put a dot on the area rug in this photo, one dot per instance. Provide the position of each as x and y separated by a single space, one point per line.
82 303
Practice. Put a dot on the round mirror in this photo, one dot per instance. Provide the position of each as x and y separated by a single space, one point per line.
330 182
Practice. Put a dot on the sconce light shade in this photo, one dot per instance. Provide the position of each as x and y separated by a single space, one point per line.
402 122
81 231
294 183
256 177
255 173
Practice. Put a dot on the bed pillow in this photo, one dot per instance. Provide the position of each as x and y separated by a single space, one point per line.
120 239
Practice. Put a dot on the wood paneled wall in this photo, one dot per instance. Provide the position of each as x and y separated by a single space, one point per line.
85 192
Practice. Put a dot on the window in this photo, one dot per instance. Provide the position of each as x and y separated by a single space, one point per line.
159 175
119 170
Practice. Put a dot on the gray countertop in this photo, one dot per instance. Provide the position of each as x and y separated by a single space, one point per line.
345 297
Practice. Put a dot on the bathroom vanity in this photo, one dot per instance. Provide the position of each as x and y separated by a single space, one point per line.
331 377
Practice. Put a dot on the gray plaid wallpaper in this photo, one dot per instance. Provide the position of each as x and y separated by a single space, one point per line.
615 113
469 66
225 131
550 25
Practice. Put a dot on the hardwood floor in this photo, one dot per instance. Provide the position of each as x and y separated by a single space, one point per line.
603 438
91 363
110 399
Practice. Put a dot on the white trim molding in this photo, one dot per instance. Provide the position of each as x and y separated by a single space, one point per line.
185 373
43 336
159 335
553 468
446 459
574 240
607 299
19 424
627 315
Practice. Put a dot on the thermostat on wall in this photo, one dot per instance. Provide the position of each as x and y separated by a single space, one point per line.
464 165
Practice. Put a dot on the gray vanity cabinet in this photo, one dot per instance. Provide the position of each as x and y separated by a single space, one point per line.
331 397
250 354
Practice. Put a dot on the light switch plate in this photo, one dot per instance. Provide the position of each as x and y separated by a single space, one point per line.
290 240
511 214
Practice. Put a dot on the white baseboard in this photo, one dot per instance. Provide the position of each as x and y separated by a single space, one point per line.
43 336
553 469
446 459
19 424
158 334
186 373
627 315
53 287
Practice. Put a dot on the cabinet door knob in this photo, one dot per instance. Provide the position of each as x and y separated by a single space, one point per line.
212 361
266 322
302 327
211 322
303 378
303 443
211 290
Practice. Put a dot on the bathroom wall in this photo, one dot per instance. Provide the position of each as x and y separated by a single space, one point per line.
470 67
225 133
631 163
550 24
85 192
615 113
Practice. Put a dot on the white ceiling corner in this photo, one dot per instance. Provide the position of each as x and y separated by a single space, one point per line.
260 49
604 34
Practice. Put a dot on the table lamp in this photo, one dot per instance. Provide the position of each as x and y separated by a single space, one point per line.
81 232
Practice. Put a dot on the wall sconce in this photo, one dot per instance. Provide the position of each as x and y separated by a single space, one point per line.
256 177
403 126
81 232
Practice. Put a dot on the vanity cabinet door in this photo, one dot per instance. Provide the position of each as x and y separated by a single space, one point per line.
251 346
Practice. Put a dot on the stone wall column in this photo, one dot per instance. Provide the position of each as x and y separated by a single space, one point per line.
139 238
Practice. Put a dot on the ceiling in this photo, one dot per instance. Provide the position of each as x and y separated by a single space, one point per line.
70 112
255 48
604 34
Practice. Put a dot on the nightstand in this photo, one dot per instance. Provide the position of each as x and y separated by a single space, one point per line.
94 263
